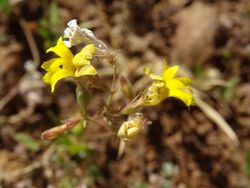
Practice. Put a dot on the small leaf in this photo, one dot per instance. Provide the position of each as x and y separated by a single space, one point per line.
27 141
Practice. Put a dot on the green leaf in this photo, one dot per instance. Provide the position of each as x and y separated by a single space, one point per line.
27 141
77 149
5 6
73 147
79 128
53 15
63 140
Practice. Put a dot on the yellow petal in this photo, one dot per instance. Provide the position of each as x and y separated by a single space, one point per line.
86 70
80 62
168 73
148 72
46 65
183 95
89 50
47 77
155 94
175 83
185 81
82 58
60 74
61 50
61 63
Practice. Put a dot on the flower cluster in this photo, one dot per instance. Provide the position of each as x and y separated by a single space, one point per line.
67 64
167 86
81 66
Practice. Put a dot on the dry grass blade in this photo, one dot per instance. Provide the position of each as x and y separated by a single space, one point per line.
121 150
214 116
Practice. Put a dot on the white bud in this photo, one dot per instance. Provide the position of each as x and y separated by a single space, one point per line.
72 23
74 35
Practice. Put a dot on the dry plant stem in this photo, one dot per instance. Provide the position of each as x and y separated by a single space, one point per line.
19 172
44 162
13 92
31 41
93 120
133 105
121 149
35 55
21 115
112 90
97 136
100 84
209 84
114 77
213 115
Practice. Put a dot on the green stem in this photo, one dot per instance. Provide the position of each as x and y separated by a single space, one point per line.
82 99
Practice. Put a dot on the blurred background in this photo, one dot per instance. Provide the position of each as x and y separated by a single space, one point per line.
206 146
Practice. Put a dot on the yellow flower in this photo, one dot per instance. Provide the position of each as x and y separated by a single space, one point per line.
167 86
68 65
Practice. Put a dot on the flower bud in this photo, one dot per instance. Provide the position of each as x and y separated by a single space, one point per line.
131 128
74 35
57 131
